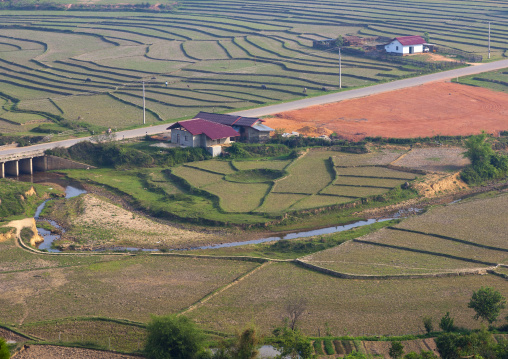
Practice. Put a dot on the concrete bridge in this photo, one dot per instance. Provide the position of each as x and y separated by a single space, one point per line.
28 162
23 163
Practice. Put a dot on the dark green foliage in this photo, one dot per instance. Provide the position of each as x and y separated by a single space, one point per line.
329 349
242 347
4 349
21 140
26 234
424 354
487 303
173 337
446 323
486 164
339 145
114 154
245 150
427 323
455 346
318 347
292 343
396 350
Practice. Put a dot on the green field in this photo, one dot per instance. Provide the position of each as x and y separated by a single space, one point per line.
215 56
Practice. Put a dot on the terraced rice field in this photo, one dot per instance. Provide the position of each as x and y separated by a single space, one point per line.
216 56
449 238
311 182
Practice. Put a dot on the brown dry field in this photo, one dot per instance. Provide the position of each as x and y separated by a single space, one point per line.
53 352
439 108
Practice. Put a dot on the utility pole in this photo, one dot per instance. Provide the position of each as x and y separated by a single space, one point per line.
144 107
489 39
340 69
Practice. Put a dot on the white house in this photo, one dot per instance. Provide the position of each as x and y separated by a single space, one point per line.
406 45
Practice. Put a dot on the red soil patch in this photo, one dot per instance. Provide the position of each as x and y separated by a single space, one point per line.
423 111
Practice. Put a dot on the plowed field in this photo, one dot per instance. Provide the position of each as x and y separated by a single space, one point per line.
435 109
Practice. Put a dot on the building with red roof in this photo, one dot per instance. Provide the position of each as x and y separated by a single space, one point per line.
251 129
406 45
202 133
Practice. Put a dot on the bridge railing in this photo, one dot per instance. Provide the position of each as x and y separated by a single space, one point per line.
20 156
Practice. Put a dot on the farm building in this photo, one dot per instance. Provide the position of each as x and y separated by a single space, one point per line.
202 133
323 44
251 129
406 45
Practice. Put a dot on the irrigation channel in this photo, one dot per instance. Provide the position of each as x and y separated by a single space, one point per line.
74 189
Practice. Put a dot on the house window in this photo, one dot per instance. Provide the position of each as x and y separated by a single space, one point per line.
397 48
185 137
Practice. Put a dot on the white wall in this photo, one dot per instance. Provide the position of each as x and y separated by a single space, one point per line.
396 47
184 138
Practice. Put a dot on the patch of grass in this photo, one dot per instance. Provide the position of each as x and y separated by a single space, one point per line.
329 349
318 347
255 175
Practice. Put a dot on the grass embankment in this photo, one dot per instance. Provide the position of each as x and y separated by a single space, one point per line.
18 200
216 193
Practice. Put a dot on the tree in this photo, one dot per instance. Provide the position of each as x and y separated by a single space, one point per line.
339 42
242 347
173 337
292 344
295 308
487 303
396 350
427 323
426 37
446 323
4 349
424 354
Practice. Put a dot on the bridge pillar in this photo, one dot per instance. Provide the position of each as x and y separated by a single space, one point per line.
2 170
40 164
25 166
12 168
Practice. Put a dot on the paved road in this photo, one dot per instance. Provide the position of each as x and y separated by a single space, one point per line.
268 110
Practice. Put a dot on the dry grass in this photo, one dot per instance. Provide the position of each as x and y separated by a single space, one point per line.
278 202
383 157
252 165
125 228
478 220
441 159
239 197
352 191
349 306
365 259
317 200
375 172
437 245
365 181
131 288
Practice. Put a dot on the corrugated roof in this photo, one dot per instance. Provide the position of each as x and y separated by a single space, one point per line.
229 120
261 127
211 129
410 40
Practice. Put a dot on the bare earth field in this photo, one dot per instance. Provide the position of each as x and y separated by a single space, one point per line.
447 109
50 352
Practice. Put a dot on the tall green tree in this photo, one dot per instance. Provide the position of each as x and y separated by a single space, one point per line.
4 349
487 303
292 343
173 337
446 323
396 350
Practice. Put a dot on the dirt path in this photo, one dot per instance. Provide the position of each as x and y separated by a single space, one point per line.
22 223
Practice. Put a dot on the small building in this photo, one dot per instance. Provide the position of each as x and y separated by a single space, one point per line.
406 45
251 129
202 133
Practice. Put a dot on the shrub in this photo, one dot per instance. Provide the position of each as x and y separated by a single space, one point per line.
4 349
329 349
427 323
446 323
173 337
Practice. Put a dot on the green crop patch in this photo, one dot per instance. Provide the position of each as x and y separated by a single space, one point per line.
252 165
196 177
239 197
366 181
279 202
379 172
352 191
316 201
223 167
255 175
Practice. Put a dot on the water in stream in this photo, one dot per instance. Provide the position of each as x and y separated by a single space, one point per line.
49 238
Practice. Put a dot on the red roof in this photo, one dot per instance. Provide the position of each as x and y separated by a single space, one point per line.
410 40
212 130
229 120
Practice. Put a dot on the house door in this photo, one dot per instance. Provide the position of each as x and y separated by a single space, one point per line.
411 49
178 138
